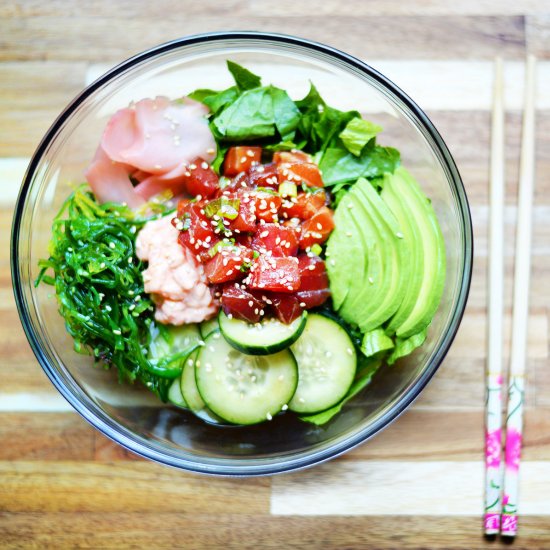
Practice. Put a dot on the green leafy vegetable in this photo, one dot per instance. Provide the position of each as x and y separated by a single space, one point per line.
357 133
408 345
99 288
320 124
340 166
256 114
244 79
375 342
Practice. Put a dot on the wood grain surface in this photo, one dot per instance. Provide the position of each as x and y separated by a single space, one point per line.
64 485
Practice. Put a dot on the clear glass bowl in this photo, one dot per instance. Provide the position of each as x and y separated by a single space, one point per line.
129 414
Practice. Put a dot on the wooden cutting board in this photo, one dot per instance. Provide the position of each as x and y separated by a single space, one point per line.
419 483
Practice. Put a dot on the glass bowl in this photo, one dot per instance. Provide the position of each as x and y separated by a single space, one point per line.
129 414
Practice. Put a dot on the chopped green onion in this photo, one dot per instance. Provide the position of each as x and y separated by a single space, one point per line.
288 189
316 249
223 207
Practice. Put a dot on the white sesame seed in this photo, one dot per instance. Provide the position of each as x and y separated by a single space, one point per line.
111 245
371 280
211 151
311 267
284 407
302 304
204 165
117 331
268 416
193 167
349 234
349 351
399 235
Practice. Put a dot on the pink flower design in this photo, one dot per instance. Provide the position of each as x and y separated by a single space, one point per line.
513 449
492 521
505 499
492 448
509 524
499 379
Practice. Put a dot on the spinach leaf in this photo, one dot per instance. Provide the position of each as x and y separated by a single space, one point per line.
200 95
256 114
340 166
286 115
408 345
320 124
376 341
244 79
357 133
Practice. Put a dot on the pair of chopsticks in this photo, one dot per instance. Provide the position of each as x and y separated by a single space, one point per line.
501 495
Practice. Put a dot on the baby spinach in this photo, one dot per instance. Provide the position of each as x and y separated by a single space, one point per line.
340 166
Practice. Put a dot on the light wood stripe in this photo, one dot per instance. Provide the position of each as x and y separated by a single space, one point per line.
134 486
389 37
434 85
405 488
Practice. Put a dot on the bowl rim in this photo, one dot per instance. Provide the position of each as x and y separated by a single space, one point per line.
245 467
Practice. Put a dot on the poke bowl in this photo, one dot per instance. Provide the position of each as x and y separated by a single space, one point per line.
324 244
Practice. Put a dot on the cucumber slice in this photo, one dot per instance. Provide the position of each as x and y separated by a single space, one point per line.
174 395
244 389
264 338
190 392
326 365
209 326
173 344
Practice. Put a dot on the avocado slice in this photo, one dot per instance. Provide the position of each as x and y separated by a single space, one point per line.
376 275
344 258
423 236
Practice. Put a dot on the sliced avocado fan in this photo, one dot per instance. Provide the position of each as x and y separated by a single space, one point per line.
422 235
368 264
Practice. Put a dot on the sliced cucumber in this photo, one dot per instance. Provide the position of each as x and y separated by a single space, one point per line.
264 338
174 395
326 365
190 392
244 389
209 326
173 344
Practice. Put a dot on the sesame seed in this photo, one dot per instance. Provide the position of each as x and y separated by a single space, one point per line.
371 280
284 407
311 267
117 331
349 351
268 416
204 165
243 159
264 234
229 316
319 226
111 245
158 166
302 304
193 167
399 235
350 205
132 307
332 263
211 151
349 234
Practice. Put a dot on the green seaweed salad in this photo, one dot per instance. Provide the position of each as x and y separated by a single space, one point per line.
385 259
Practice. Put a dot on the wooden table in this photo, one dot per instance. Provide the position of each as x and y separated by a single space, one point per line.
418 484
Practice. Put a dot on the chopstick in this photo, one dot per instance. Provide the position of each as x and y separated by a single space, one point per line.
493 421
520 315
